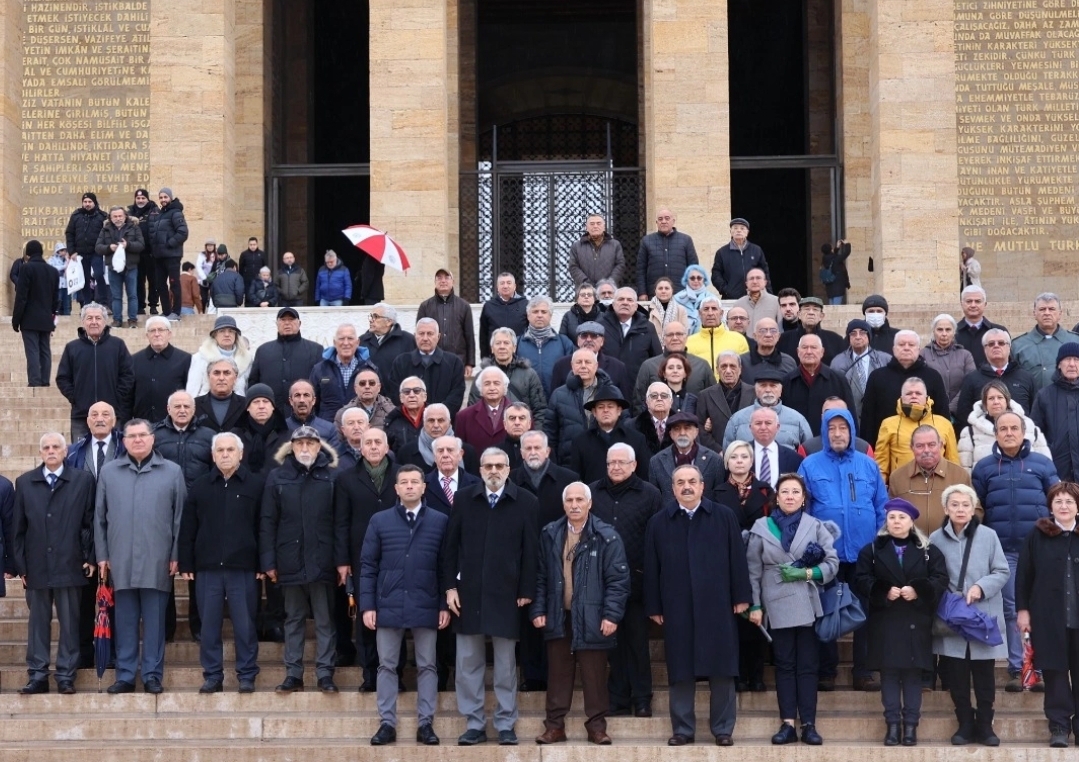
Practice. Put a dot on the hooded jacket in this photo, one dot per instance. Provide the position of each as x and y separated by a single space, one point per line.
893 440
1012 492
168 231
953 364
543 358
1056 412
589 263
845 487
333 285
83 228
976 440
198 383
885 386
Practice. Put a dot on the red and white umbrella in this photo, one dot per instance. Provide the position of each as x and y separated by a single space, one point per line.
377 244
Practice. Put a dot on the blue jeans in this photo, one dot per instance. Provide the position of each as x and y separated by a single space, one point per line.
187 310
835 300
132 605
65 302
118 282
331 302
1015 641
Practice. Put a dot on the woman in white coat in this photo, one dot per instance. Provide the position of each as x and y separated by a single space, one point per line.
225 342
963 661
977 439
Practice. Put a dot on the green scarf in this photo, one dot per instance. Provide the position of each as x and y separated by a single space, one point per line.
378 473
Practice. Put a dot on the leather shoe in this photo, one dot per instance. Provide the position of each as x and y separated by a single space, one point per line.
247 686
65 687
787 734
327 685
619 711
212 685
121 686
679 740
891 735
290 685
507 738
868 684
33 687
528 686
910 735
724 740
425 734
386 734
152 685
471 738
642 709
368 686
599 738
551 735
810 735
825 685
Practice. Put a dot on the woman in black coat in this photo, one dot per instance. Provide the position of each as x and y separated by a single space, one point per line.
902 577
584 309
750 500
1047 604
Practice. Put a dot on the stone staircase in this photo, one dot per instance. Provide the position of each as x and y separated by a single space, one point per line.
183 725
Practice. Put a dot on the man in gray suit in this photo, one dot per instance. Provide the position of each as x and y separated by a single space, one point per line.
685 449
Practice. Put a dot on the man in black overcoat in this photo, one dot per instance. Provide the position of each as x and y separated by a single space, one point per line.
696 581
37 294
490 559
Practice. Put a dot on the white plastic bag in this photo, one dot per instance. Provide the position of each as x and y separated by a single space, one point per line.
119 258
74 276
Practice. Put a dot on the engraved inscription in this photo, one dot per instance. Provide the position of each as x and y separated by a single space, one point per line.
1017 113
85 107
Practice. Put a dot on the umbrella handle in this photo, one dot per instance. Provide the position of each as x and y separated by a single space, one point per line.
105 576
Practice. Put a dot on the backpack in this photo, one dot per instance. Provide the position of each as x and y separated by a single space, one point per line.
827 277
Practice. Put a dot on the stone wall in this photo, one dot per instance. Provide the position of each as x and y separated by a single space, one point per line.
11 29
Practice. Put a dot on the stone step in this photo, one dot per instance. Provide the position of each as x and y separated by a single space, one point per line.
331 721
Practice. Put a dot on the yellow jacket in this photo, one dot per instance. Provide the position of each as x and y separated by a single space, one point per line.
893 440
707 343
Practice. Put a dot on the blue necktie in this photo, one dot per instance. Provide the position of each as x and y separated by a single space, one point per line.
492 499
766 470
52 481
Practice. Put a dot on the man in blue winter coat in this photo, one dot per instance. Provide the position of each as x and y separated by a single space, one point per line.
399 590
1011 485
845 486
333 284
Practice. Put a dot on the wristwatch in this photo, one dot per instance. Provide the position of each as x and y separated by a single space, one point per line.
809 574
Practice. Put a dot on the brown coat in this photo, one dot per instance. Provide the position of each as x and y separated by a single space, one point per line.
908 483
189 292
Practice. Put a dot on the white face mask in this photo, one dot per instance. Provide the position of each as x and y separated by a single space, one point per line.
606 302
875 319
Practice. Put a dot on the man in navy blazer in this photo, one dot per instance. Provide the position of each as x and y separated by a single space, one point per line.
770 459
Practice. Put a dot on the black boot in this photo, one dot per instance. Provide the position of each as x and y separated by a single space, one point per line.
910 735
891 736
983 728
966 733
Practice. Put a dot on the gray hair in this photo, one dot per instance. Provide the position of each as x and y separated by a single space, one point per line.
907 332
339 418
925 428
264 270
428 321
1047 296
220 434
516 406
623 447
456 440
493 369
606 282
90 307
728 353
582 485
417 379
437 407
504 332
535 433
911 382
491 451
944 316
536 301
329 253
158 320
993 333
231 363
168 402
973 290
388 310
710 297
51 435
961 489
1022 420
920 536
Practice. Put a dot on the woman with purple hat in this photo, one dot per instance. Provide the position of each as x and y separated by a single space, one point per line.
902 577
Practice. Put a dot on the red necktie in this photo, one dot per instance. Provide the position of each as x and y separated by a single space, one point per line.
446 489
1000 371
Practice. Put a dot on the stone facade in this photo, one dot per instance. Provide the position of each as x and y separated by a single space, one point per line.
11 27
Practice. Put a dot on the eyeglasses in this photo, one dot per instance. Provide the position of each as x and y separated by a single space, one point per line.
764 331
996 343
413 390
739 319
373 316
494 466
658 396
371 383
696 277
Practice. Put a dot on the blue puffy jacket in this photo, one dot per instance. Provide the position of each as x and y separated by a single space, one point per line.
399 576
1012 492
845 487
333 285
543 359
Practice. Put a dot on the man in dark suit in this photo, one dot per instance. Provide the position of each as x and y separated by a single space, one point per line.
385 340
361 492
221 409
769 457
441 371
37 294
160 369
717 403
53 550
539 475
491 581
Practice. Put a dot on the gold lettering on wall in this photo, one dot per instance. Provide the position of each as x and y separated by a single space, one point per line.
1017 113
85 108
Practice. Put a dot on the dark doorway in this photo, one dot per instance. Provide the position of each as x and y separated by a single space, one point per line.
321 146
785 177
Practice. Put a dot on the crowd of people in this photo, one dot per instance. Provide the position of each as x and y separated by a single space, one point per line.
656 458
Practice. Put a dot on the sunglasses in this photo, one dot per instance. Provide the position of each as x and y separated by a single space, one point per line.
413 390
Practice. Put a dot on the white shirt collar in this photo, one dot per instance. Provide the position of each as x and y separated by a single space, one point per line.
45 470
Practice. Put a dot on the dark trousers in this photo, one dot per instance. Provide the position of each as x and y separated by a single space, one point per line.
722 707
271 609
133 606
367 652
562 663
630 680
1062 694
240 589
346 649
531 650
959 673
901 695
829 652
751 650
93 268
146 288
39 626
79 429
38 357
194 621
796 651
168 285
445 656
